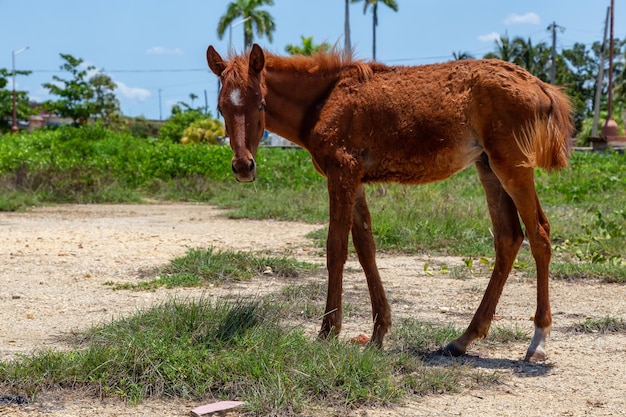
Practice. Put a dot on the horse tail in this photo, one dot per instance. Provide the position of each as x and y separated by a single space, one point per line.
546 140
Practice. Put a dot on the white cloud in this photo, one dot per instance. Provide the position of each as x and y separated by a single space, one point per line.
530 18
132 93
489 37
161 50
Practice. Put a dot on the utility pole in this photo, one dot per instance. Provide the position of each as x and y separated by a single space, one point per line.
347 45
611 46
596 102
553 27
14 128
160 112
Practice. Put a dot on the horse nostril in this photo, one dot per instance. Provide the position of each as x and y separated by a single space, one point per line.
232 166
251 166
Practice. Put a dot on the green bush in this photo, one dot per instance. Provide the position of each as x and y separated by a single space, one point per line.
203 131
142 128
182 117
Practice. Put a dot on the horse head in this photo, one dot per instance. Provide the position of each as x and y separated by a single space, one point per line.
241 102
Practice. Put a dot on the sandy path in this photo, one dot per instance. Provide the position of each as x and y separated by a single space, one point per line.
55 261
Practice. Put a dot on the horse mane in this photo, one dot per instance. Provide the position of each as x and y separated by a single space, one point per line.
320 63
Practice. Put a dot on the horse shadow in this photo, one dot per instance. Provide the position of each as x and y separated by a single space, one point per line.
519 367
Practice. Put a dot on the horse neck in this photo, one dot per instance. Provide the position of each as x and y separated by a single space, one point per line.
290 96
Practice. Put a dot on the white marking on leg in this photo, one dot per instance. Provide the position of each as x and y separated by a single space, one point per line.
235 97
537 349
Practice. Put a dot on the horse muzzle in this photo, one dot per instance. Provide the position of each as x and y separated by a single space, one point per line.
244 170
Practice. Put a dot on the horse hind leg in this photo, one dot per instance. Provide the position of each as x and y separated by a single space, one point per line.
542 252
508 237
366 251
519 183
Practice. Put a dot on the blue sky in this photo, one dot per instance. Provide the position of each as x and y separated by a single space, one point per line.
152 45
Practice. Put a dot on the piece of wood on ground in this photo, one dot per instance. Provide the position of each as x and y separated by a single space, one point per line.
214 407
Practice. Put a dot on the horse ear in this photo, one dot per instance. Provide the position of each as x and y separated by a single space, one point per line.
257 58
215 61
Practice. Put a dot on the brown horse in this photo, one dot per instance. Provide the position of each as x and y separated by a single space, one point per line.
368 122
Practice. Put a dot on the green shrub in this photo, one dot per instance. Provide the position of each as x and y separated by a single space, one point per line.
203 131
182 117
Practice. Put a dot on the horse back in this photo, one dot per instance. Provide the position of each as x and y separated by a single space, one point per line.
444 115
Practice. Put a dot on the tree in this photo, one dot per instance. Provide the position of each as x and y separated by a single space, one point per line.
576 71
75 93
506 49
308 47
23 108
82 97
248 9
392 4
536 59
106 106
459 56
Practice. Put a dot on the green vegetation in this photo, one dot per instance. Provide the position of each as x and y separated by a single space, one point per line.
254 19
585 202
238 350
202 266
204 130
601 325
187 121
80 97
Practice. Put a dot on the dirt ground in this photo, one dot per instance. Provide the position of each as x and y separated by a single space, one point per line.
55 261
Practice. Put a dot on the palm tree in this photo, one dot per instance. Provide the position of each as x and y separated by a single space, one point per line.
193 98
506 49
535 58
392 4
459 56
308 47
248 9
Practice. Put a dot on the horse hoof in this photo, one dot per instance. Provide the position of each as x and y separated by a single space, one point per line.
322 335
453 350
537 356
375 344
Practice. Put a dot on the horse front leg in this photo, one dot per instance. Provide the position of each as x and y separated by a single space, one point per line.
366 250
341 198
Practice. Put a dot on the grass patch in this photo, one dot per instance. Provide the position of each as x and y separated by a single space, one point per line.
601 325
504 335
609 272
419 337
301 300
214 266
235 350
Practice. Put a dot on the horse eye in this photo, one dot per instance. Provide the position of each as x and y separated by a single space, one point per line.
262 105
